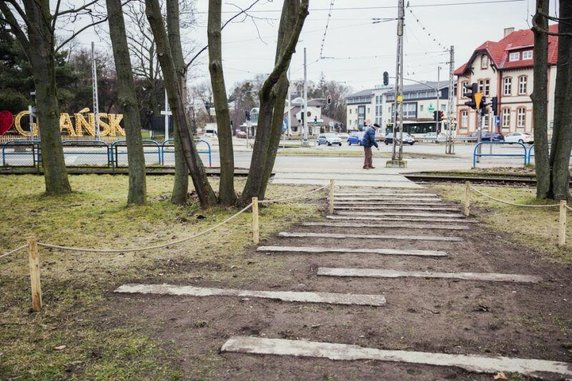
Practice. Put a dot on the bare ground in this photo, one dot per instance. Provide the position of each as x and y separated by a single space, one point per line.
466 317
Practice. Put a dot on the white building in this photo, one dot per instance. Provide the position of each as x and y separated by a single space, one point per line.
504 69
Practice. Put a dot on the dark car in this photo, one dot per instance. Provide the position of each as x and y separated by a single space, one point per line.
489 137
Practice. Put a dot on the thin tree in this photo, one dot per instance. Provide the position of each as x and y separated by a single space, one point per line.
204 190
128 103
272 99
227 194
35 32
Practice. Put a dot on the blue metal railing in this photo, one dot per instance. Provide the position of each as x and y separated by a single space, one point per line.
34 152
477 154
117 153
169 147
77 144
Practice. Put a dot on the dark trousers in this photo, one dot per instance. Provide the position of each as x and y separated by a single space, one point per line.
368 157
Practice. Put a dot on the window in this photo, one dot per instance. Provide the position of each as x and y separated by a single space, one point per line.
409 110
350 111
522 85
464 119
420 108
464 88
507 82
520 117
485 87
527 55
515 56
506 118
484 61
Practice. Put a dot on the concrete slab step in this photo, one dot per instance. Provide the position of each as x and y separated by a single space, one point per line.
408 226
341 250
333 351
385 273
392 203
369 236
401 214
396 207
286 296
392 193
360 217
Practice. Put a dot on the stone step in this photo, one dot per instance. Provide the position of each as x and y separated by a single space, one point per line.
401 214
384 273
369 236
341 250
360 225
394 194
391 207
350 217
333 351
286 296
391 203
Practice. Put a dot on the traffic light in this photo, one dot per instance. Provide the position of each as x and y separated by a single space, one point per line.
440 116
495 105
329 99
474 96
385 78
315 119
435 116
483 105
247 114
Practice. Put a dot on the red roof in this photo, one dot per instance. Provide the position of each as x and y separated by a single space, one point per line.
519 39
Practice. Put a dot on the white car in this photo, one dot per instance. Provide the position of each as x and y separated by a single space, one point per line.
519 137
329 139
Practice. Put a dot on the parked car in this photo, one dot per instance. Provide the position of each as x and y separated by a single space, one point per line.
433 137
407 139
329 139
343 136
488 136
355 138
519 137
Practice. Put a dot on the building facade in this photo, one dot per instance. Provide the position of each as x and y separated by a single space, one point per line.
504 69
420 101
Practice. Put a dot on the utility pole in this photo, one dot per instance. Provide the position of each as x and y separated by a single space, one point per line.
397 155
305 111
450 143
438 93
94 87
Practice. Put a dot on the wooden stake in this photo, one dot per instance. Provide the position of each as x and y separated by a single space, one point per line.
467 198
562 224
331 200
34 260
255 226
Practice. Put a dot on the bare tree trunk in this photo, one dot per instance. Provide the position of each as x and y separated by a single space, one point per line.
40 48
268 130
227 194
540 100
128 102
181 183
562 134
204 191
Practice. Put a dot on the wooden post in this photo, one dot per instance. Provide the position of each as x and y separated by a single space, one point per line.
255 227
467 198
562 224
34 260
331 197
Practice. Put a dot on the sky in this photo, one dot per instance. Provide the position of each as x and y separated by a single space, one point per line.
344 44
356 51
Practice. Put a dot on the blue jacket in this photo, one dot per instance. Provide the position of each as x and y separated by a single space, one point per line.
369 138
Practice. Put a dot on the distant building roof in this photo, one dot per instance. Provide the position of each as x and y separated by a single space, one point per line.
499 51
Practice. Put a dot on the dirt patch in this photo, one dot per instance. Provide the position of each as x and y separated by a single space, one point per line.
465 317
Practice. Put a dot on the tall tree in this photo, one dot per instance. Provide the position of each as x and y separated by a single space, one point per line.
181 183
35 32
227 195
204 190
562 133
272 99
128 103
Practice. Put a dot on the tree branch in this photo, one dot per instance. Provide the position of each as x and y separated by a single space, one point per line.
16 29
243 11
75 34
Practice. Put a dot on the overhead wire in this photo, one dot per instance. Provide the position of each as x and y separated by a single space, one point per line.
326 28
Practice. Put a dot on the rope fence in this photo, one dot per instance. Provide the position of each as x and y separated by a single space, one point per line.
33 243
562 205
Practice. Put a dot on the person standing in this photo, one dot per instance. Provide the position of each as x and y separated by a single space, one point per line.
368 141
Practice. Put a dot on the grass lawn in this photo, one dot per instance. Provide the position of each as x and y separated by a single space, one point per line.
535 227
76 336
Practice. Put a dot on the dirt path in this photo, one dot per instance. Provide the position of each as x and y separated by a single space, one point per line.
429 315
